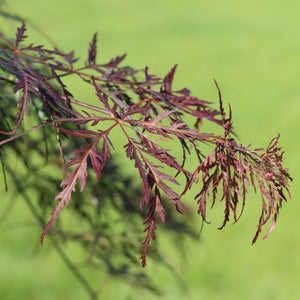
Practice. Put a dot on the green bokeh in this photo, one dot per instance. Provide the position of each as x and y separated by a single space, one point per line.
252 49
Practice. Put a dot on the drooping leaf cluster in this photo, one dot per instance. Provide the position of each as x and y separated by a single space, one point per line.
148 112
106 222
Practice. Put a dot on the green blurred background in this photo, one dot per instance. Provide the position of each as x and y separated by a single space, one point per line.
252 49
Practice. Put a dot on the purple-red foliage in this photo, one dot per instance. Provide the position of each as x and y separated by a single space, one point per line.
155 113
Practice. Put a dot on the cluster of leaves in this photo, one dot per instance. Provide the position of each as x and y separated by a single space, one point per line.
106 221
148 112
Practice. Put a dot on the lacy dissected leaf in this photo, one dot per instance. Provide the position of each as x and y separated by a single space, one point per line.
80 159
155 209
30 81
273 182
24 87
229 167
151 175
152 148
132 153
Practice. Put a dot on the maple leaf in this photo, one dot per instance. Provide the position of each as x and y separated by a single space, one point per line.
80 158
155 209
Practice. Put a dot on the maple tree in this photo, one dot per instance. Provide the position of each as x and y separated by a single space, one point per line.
148 112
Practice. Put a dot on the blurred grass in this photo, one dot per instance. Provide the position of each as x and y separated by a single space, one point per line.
252 49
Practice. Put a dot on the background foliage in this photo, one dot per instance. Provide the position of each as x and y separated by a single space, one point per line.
252 52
